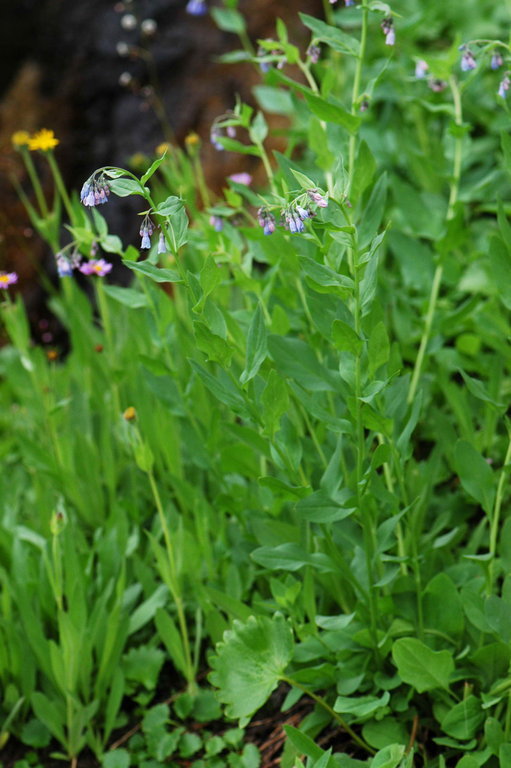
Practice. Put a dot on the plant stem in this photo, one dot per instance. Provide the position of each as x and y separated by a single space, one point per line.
437 279
322 703
34 179
356 88
495 518
59 183
173 586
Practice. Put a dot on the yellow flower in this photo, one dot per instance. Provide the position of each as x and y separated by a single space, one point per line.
20 138
161 148
130 413
192 139
43 140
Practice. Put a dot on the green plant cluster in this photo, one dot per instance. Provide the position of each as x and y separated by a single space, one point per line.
280 457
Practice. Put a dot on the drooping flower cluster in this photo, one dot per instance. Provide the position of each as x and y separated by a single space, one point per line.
316 197
294 216
7 279
504 86
95 191
66 264
314 53
468 61
146 231
266 221
196 7
387 27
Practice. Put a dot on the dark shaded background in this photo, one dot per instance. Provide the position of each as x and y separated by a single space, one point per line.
60 68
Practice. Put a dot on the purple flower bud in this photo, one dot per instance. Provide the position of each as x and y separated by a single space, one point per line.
217 222
316 197
196 7
64 267
314 52
214 135
231 131
302 212
266 221
496 61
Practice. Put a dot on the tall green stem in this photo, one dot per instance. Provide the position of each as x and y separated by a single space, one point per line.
59 183
495 518
437 279
34 179
355 93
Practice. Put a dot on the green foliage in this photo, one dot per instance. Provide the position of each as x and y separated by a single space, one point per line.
289 447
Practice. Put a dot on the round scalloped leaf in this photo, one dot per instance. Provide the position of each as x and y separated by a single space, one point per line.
249 663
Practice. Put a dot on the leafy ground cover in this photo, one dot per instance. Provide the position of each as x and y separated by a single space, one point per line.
280 457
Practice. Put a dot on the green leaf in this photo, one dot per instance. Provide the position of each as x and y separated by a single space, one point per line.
388 757
158 274
421 667
294 358
116 758
130 297
250 662
216 349
303 180
256 346
228 20
319 507
360 706
152 169
274 401
475 474
50 714
500 263
345 338
291 557
464 719
332 111
170 206
35 734
126 187
365 167
259 129
332 36
143 665
303 743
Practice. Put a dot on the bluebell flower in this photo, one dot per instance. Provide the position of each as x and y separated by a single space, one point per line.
468 61
162 245
146 230
64 266
95 191
196 7
496 61
421 69
387 27
504 86
217 222
266 221
302 212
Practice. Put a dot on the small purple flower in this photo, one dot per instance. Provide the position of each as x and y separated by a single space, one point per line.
264 66
316 197
266 221
387 27
241 178
347 3
196 7
302 212
162 246
421 69
293 221
217 222
7 279
98 267
314 52
95 191
468 61
496 61
505 83
231 131
146 230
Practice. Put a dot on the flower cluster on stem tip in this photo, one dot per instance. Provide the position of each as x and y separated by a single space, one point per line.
504 85
468 61
146 230
7 279
95 191
266 221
